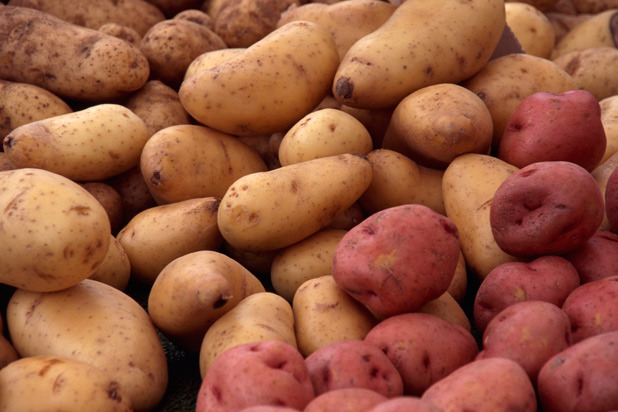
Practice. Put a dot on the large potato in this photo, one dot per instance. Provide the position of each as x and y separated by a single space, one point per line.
69 60
54 233
94 323
268 87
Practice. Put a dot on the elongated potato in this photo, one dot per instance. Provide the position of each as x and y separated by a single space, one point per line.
92 144
274 209
268 87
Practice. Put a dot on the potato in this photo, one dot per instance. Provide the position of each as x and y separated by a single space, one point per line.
133 191
581 377
446 307
563 21
494 384
115 269
459 285
68 60
406 53
5 162
505 81
376 121
547 278
275 209
324 313
531 27
48 382
424 348
196 16
353 364
193 291
345 400
110 199
158 235
310 258
405 404
322 133
54 233
347 21
258 263
158 105
25 103
596 31
122 32
266 373
304 58
259 317
210 59
609 117
107 329
398 180
597 258
347 219
136 14
546 208
92 144
435 124
186 161
601 176
591 70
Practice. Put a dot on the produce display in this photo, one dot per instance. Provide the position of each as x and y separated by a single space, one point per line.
309 205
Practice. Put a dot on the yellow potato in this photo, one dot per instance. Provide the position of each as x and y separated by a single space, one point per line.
321 133
38 383
609 118
53 233
468 186
210 59
419 45
324 313
596 31
447 308
308 259
160 234
68 60
195 290
94 323
259 317
188 161
531 27
267 88
115 269
92 144
274 209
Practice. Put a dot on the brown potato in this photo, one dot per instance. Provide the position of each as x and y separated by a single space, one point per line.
133 192
122 32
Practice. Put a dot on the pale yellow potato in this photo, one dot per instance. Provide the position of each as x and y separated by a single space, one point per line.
183 162
505 81
322 133
259 317
115 269
158 235
210 59
609 118
195 290
274 209
468 186
596 31
54 233
38 383
531 27
70 61
92 144
593 69
324 313
447 308
24 103
398 180
435 124
308 259
601 175
419 45
347 21
267 88
98 324
459 285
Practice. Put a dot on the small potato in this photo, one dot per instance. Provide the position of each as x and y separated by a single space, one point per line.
591 68
46 382
133 191
193 291
321 133
596 31
158 235
92 144
597 258
196 16
324 313
115 269
345 400
531 27
110 199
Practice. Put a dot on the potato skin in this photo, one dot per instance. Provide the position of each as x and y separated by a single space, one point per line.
531 27
345 400
597 258
591 70
69 60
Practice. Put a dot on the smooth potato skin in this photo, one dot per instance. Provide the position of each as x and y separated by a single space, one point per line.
597 258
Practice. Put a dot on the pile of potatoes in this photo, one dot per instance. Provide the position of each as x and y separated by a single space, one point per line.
313 200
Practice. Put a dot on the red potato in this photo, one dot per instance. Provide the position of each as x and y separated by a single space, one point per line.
353 364
345 400
582 378
593 308
555 126
611 201
546 208
546 278
529 333
405 404
260 373
423 348
397 259
597 258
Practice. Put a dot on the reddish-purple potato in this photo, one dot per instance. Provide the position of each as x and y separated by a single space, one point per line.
345 400
597 258
406 404
546 208
611 200
397 259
